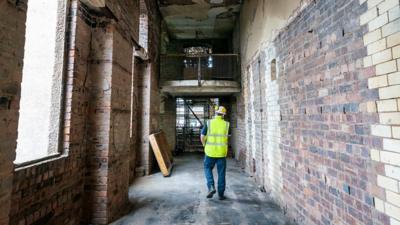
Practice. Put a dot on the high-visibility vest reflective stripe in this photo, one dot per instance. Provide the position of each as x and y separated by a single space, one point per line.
217 138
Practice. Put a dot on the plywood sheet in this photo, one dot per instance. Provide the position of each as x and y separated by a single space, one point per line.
162 152
164 142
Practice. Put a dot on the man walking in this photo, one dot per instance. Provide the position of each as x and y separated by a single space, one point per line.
214 136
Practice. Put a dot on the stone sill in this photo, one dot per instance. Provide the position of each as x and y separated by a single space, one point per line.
40 161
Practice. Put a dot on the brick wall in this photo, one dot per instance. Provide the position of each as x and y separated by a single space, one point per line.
55 191
168 119
135 129
51 191
127 13
12 25
110 118
312 124
382 40
149 94
110 82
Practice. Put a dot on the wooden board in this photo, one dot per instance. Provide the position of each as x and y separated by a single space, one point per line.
161 151
164 142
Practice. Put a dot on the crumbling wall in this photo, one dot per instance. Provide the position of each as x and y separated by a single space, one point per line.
315 119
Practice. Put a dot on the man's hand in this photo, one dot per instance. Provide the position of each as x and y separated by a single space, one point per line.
203 140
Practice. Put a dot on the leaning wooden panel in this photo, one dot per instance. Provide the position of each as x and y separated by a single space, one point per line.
161 155
164 142
164 146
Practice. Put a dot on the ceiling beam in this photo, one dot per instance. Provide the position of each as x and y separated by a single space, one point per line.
95 3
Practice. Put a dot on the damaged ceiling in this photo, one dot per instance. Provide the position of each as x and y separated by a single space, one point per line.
200 19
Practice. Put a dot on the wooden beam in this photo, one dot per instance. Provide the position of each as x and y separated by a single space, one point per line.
95 3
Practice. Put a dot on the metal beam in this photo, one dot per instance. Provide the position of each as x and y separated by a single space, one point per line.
194 114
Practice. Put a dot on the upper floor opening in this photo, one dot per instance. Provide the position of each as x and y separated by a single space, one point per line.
199 51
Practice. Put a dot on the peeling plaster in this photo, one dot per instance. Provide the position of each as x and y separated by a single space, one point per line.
200 18
260 21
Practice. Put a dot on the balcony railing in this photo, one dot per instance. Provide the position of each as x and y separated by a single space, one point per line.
210 67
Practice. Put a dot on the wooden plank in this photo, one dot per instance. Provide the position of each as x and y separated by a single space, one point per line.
95 3
163 146
160 150
163 139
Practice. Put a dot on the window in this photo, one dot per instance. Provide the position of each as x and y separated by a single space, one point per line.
143 25
42 81
273 70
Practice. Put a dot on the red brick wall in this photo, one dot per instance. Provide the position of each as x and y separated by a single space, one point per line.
51 191
118 175
12 26
135 132
99 125
149 94
327 171
127 12
327 174
93 171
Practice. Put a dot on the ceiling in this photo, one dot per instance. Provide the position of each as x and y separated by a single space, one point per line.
200 19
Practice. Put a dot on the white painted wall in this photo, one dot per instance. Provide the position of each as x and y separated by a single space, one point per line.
272 138
40 106
259 21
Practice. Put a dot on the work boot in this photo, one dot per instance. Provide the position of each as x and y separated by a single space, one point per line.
211 192
221 197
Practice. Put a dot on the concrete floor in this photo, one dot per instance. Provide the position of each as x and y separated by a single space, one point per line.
180 199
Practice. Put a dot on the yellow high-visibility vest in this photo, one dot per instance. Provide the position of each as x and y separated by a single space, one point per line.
217 138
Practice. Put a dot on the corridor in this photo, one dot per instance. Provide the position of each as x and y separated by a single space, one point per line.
180 199
98 96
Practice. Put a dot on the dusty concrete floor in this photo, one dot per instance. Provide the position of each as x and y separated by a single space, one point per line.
180 199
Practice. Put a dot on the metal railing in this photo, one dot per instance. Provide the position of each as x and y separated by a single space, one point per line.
210 67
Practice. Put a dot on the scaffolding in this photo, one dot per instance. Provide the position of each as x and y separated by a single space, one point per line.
191 115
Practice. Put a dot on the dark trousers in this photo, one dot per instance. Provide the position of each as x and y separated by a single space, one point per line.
209 164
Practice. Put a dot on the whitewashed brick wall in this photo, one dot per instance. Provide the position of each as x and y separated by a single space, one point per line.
272 133
383 46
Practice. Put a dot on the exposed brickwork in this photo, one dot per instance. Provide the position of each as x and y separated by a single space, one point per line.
325 140
134 132
168 119
57 191
382 40
127 13
108 127
149 93
12 24
51 192
110 120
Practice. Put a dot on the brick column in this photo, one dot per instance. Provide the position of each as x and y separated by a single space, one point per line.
107 179
382 41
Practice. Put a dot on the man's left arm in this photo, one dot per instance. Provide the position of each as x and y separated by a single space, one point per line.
203 136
